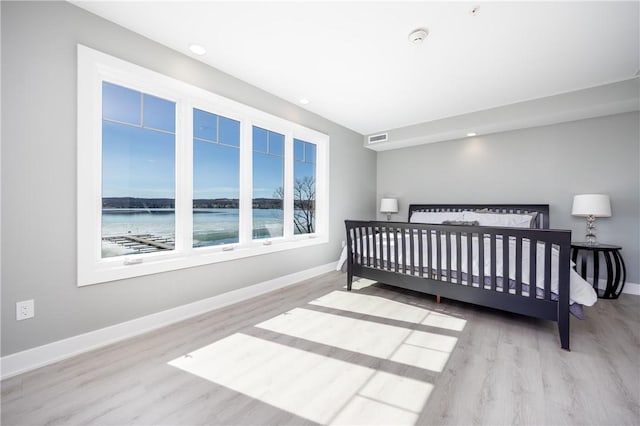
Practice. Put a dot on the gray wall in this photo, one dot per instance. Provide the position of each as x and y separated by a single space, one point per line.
39 179
547 164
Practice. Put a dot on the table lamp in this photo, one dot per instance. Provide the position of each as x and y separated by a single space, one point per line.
388 206
591 206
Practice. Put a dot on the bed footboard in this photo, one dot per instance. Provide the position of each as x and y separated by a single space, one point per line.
525 271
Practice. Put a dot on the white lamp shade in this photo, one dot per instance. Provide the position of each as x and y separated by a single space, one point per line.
389 205
597 205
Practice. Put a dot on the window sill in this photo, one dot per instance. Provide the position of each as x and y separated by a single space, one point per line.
124 267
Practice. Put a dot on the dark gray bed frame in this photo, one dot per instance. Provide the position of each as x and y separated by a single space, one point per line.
433 280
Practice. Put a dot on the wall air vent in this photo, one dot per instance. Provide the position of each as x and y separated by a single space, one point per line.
382 137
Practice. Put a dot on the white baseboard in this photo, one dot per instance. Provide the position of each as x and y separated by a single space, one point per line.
30 359
631 288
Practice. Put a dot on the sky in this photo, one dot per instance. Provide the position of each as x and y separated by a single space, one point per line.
138 151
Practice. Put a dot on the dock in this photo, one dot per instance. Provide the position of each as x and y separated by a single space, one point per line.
143 243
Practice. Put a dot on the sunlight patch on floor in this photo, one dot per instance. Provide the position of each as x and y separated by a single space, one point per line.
365 337
360 283
439 320
366 304
402 392
364 411
430 359
372 305
382 307
335 389
318 388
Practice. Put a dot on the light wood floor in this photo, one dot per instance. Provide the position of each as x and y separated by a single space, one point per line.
316 354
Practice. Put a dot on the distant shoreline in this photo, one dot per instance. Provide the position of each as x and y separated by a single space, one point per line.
169 203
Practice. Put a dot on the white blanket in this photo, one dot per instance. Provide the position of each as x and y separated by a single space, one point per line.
580 291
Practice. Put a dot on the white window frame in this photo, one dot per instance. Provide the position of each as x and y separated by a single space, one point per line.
94 67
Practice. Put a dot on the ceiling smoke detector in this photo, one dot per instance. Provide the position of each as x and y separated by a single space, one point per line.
418 36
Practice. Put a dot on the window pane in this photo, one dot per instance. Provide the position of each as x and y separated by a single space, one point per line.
259 139
304 188
216 186
229 131
276 144
138 183
121 104
137 162
205 125
298 150
268 184
159 114
310 153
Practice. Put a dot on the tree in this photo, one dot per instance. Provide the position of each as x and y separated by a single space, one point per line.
304 204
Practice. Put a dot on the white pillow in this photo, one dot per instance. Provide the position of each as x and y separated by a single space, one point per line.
435 217
507 220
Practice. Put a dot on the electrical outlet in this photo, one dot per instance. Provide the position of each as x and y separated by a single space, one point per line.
25 310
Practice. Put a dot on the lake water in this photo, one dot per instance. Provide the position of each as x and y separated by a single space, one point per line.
210 226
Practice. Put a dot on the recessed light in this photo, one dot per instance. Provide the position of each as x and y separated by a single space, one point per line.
304 101
197 49
471 134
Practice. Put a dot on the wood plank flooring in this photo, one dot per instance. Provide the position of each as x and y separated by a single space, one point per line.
314 353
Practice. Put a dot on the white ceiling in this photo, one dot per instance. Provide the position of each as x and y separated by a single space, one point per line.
354 63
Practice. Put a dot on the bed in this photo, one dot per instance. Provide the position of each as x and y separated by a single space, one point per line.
488 255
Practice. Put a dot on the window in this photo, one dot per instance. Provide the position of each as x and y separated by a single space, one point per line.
268 184
216 179
172 176
138 172
304 187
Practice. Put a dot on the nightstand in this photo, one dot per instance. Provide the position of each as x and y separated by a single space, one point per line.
614 266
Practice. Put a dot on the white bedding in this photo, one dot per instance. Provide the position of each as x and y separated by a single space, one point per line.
580 291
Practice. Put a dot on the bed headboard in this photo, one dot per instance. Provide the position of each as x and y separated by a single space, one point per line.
542 220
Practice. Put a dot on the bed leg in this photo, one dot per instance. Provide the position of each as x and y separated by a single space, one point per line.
563 328
437 298
564 280
349 280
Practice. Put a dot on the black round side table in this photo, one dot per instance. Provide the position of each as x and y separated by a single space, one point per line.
614 265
